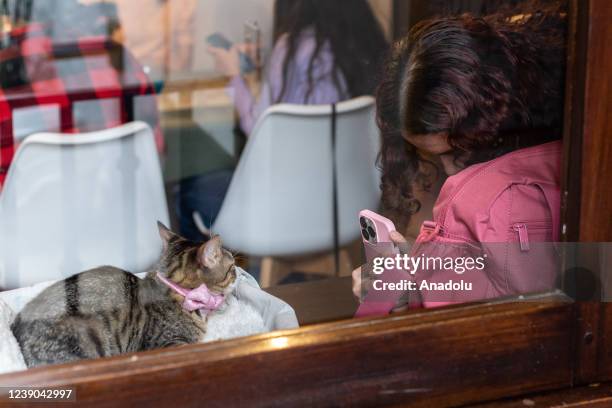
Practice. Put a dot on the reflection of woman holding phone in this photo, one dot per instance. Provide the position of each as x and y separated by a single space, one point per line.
326 52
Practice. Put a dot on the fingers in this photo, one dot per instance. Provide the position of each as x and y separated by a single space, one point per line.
244 48
226 61
248 48
357 291
397 237
215 51
356 274
357 282
401 242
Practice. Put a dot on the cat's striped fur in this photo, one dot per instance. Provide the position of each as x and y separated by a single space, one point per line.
107 311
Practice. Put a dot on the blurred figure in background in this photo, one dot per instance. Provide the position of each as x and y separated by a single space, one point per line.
160 33
325 52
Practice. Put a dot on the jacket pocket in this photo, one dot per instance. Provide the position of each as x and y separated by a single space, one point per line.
531 231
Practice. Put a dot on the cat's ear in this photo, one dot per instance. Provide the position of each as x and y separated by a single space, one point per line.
210 253
165 234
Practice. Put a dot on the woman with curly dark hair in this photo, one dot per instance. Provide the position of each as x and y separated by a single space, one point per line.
484 96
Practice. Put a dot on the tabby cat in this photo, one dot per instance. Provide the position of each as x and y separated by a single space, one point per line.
107 311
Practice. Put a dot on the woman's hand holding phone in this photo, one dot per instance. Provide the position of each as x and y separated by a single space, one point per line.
232 59
227 61
401 244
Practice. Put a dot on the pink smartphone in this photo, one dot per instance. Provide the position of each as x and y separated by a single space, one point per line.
375 233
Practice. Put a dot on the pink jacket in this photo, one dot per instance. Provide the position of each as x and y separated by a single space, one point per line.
505 212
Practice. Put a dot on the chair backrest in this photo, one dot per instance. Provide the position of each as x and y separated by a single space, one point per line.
76 201
279 202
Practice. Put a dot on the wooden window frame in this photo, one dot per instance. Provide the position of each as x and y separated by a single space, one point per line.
450 356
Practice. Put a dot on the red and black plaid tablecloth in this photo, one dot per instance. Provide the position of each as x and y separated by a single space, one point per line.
34 72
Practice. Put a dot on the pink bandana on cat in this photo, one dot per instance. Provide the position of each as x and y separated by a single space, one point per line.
199 298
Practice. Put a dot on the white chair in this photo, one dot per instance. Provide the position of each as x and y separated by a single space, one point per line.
279 203
76 201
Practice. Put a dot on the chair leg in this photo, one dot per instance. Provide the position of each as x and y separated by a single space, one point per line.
273 271
265 272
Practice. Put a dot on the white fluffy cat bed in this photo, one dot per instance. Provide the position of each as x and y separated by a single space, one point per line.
249 310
